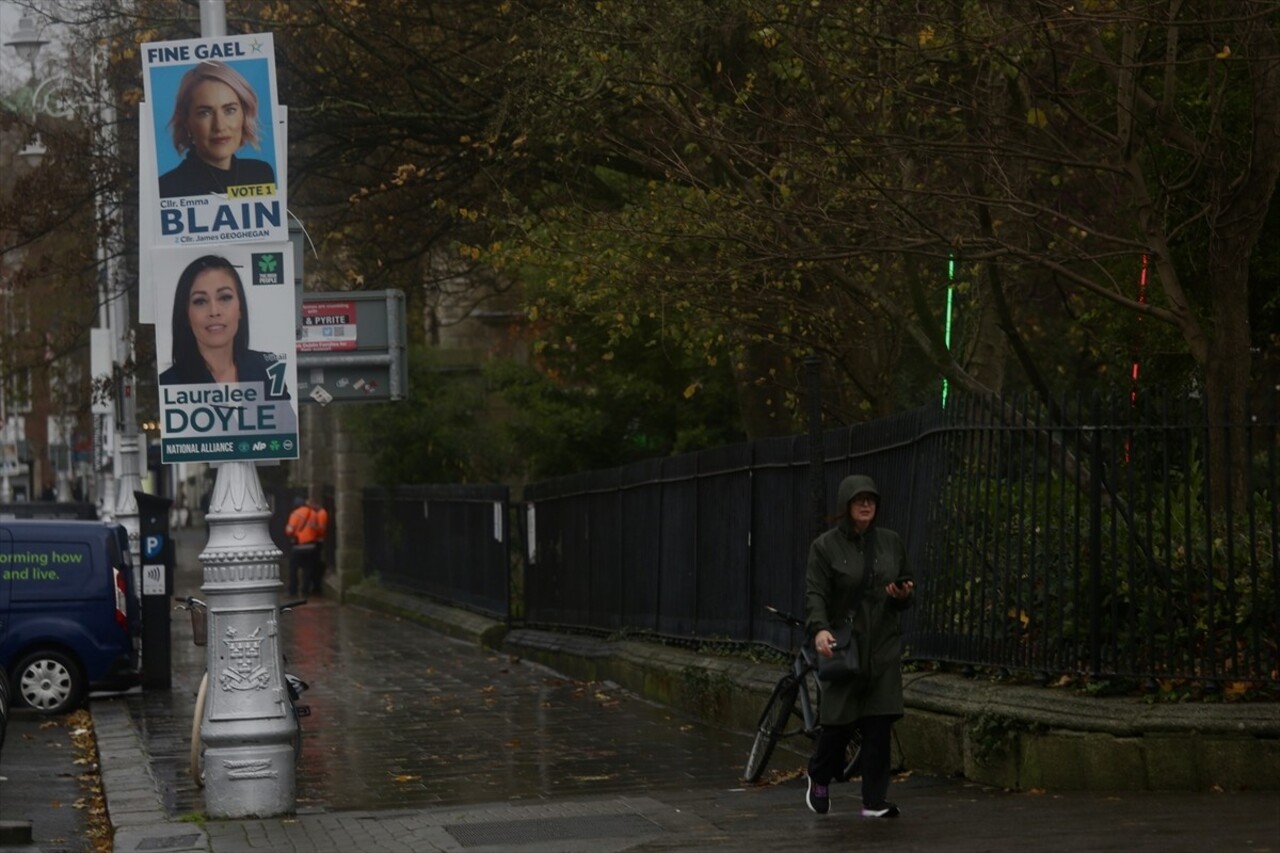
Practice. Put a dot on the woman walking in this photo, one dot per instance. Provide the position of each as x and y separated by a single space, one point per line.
857 575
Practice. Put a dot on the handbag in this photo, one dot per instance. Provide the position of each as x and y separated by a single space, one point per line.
846 663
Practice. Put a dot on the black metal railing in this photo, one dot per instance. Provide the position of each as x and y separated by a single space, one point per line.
448 542
1091 536
694 546
1094 539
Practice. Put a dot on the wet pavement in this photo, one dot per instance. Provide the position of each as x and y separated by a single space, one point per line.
404 717
421 742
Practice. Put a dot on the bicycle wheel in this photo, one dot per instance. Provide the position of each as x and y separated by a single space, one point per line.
777 711
197 720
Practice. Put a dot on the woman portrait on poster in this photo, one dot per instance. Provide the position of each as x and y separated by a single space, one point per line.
215 113
211 332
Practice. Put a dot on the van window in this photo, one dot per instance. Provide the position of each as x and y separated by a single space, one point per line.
47 570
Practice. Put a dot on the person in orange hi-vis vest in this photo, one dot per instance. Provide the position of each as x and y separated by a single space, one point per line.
307 527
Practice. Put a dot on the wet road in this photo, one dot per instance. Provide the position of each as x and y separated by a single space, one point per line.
405 717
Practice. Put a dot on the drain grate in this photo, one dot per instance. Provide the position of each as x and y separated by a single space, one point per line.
169 842
516 832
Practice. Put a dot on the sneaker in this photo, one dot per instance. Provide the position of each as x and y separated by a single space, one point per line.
817 797
882 810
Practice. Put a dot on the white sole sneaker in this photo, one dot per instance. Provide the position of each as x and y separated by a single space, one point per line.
816 806
887 810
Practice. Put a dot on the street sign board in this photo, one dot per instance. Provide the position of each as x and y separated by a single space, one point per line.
351 347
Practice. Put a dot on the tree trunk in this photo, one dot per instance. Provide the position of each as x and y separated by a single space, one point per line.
761 372
1229 369
1245 198
986 344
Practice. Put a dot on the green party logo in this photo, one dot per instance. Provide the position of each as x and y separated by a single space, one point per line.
267 268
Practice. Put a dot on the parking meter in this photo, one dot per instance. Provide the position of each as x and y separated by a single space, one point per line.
156 546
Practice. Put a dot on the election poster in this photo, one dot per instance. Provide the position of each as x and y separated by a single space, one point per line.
225 353
214 144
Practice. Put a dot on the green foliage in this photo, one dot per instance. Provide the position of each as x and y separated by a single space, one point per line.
576 410
444 432
991 734
591 401
1173 588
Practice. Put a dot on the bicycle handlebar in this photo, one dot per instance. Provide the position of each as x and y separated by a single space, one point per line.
796 622
793 621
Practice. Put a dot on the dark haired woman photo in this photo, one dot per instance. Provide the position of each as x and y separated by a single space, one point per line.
211 332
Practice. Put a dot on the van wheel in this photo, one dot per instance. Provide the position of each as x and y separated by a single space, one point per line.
50 682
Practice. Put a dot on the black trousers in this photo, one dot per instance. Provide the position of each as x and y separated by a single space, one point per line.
304 561
828 759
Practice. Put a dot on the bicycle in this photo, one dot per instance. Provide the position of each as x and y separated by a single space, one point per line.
199 611
797 694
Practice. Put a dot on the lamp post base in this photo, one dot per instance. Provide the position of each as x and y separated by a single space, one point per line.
249 729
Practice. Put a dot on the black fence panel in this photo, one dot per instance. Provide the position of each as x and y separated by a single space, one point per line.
781 527
1132 537
448 542
678 582
640 537
555 588
604 540
723 542
701 542
1129 537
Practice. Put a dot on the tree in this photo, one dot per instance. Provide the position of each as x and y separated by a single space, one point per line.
801 167
760 181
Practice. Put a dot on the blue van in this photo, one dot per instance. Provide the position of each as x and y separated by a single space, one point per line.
69 619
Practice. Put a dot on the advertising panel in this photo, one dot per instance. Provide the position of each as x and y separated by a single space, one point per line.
225 350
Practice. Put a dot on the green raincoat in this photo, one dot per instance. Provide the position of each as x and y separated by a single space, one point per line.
837 588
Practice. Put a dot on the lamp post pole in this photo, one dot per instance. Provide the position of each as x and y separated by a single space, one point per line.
128 471
249 727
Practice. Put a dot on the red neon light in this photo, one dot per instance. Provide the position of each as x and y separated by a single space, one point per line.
1142 300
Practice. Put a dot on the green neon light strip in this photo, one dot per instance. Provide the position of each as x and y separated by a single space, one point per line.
951 277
